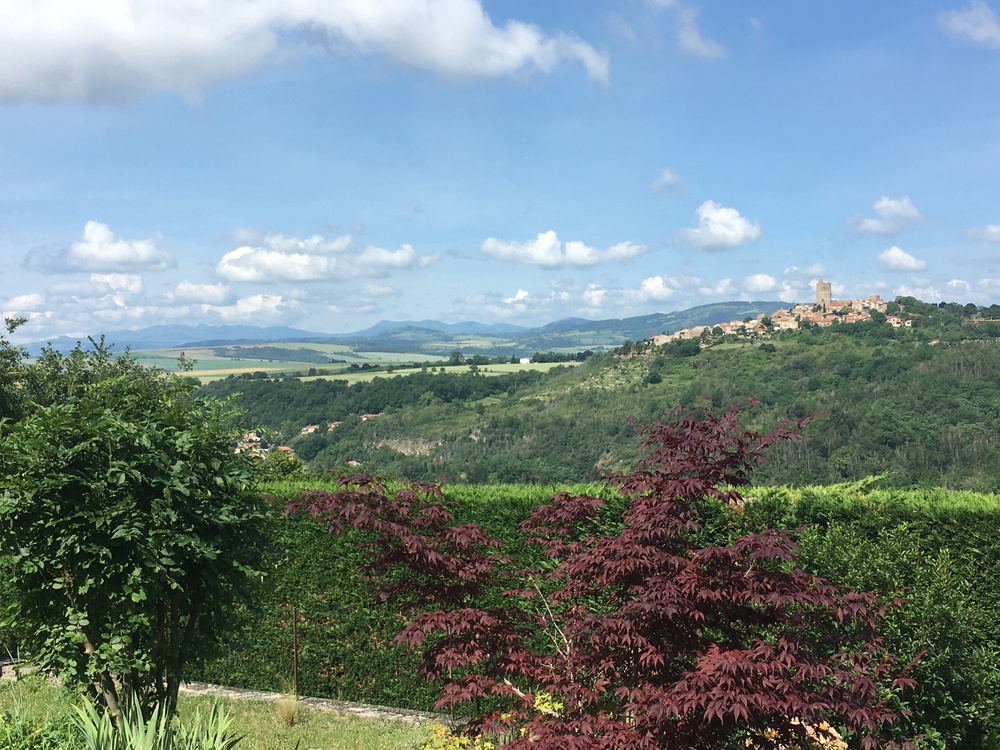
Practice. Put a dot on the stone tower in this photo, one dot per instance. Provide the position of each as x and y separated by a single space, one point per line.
823 293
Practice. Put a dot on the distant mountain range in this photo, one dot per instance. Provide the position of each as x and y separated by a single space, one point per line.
431 335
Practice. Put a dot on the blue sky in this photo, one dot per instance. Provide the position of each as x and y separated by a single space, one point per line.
329 164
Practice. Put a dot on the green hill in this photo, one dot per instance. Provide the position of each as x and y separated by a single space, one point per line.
919 405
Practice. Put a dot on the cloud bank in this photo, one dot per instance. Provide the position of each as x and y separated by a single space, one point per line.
275 258
70 50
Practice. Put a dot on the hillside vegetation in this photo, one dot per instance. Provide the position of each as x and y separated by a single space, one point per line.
917 405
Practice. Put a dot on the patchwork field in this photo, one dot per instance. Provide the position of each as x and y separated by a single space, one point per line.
208 365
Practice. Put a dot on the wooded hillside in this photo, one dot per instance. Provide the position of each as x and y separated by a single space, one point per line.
916 404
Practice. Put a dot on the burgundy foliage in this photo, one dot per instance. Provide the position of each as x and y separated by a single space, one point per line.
646 639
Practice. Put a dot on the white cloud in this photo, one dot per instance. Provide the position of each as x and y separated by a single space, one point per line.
656 288
282 258
548 251
760 282
522 303
895 259
100 250
257 308
989 233
64 50
30 306
260 264
593 295
690 39
720 227
668 181
894 215
314 245
378 290
959 285
23 303
119 282
979 23
188 291
724 288
924 293
521 295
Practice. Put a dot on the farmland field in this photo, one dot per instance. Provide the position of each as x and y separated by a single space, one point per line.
208 366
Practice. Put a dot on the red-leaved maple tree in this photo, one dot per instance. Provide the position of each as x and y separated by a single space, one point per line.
631 635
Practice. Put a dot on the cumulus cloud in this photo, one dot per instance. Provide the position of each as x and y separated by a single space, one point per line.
24 302
522 303
30 306
66 50
989 233
668 181
893 216
593 295
548 251
119 282
189 291
720 227
255 308
101 250
895 259
959 285
760 282
657 288
979 23
283 258
690 39
723 288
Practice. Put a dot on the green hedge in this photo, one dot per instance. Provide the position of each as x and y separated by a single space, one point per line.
346 649
935 552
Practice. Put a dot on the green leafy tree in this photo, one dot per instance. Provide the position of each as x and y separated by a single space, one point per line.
10 369
128 531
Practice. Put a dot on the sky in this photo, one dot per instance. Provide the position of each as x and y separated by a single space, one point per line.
327 165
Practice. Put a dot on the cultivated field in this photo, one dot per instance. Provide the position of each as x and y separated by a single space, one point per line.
207 365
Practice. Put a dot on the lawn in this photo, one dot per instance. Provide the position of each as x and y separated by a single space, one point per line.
264 725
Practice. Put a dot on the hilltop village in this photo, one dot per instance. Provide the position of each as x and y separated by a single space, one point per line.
826 311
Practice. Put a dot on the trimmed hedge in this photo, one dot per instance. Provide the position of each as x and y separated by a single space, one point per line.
936 552
346 649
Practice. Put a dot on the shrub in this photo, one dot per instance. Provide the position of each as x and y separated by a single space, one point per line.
645 638
128 531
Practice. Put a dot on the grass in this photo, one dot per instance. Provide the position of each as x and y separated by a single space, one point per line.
264 725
